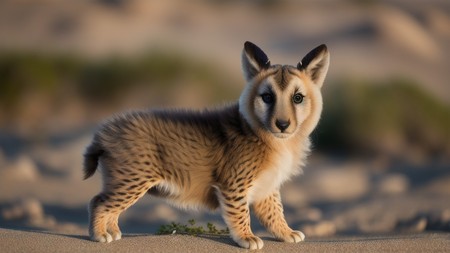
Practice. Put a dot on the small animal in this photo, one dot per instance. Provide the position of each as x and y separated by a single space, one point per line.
231 158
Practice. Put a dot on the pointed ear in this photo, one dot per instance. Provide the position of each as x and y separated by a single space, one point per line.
253 60
315 64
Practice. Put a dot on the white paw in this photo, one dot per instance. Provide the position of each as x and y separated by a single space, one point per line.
250 242
104 238
117 236
295 236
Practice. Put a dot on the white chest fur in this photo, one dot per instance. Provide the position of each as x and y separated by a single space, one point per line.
285 165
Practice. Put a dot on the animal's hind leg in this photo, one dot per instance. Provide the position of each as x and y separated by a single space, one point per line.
105 208
98 217
112 227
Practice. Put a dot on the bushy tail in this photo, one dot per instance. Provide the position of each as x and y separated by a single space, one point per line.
93 152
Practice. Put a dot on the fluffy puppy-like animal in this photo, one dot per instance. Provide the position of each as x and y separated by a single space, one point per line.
233 158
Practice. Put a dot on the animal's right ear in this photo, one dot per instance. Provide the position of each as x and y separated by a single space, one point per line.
253 60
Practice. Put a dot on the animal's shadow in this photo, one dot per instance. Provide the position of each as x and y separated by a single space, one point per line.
221 239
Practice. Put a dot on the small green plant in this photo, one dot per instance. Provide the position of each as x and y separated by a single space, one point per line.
191 229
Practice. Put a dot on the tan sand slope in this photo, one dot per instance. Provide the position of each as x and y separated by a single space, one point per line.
21 241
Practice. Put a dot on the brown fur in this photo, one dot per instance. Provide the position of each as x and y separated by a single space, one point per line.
229 157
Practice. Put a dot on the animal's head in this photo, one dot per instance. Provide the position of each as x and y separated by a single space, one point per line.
280 99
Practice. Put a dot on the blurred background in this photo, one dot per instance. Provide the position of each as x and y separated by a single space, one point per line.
381 160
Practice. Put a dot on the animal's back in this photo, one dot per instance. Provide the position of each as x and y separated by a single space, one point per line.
136 135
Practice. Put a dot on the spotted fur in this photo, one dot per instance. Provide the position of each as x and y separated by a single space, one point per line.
230 158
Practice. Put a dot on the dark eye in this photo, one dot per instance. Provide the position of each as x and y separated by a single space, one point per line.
297 98
267 98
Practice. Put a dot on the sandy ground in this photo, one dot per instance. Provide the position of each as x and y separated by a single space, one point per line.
12 241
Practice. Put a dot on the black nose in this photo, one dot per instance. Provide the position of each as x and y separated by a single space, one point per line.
282 124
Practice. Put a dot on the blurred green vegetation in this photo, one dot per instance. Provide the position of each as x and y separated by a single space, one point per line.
363 116
104 81
22 73
359 115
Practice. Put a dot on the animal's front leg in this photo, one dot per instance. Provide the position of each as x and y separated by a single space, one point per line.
235 212
270 213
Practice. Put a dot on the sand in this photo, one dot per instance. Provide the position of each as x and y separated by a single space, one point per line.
27 241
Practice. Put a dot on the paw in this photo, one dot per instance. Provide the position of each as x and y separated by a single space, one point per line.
104 238
116 236
294 236
250 242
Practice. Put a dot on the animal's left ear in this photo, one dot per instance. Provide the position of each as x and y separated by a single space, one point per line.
315 64
253 60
